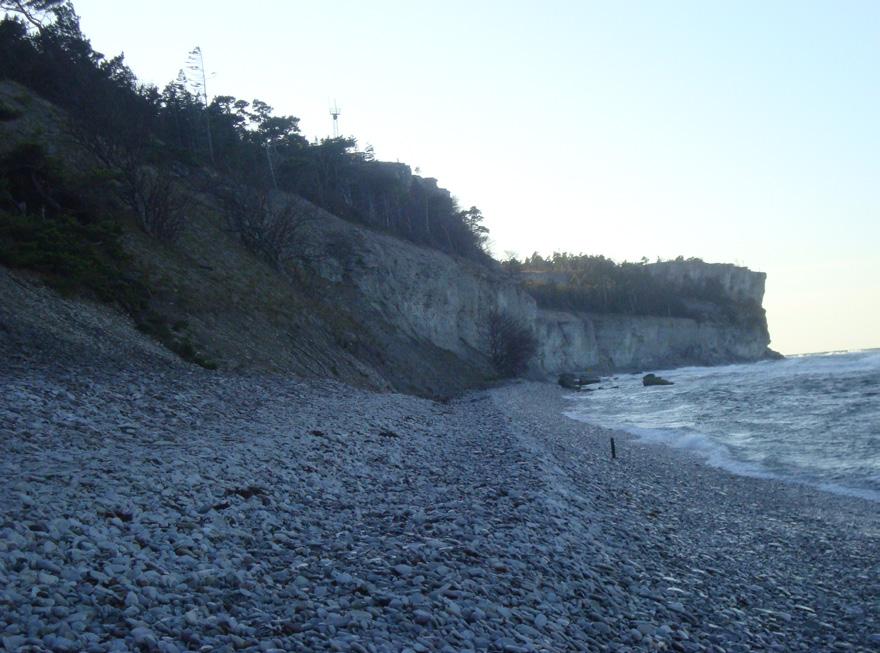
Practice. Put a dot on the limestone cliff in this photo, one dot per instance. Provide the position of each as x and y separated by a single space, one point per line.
733 329
606 343
425 296
422 294
737 283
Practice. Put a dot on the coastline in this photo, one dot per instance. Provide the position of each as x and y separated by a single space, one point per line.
754 399
715 455
164 508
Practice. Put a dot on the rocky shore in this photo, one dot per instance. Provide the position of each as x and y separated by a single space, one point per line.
150 506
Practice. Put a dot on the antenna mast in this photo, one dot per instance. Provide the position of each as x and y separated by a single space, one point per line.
334 113
199 67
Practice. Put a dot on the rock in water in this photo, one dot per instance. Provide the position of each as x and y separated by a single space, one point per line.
568 381
653 379
572 382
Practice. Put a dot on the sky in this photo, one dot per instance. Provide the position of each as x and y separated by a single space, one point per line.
742 132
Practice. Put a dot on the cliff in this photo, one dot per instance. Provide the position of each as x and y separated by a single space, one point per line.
349 302
737 283
607 343
430 297
730 325
422 293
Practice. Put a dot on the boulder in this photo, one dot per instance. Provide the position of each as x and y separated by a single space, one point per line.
653 379
569 381
577 382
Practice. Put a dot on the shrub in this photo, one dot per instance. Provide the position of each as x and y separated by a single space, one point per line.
273 229
157 327
511 345
8 113
148 189
158 205
44 227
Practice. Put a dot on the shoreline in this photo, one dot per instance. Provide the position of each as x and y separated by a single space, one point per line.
662 453
731 465
756 427
164 509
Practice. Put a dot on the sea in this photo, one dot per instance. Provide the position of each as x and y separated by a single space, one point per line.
812 419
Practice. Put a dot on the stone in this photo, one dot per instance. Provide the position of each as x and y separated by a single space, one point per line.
653 379
144 638
382 543
422 617
403 570
568 381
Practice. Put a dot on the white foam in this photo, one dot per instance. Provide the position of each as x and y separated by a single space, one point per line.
717 455
833 362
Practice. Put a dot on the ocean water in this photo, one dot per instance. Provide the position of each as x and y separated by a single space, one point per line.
812 419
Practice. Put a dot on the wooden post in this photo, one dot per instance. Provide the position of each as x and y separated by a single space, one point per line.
613 450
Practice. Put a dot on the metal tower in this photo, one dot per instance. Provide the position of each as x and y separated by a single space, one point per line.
334 112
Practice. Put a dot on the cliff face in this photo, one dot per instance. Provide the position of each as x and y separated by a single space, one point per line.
387 315
427 297
422 294
737 283
580 342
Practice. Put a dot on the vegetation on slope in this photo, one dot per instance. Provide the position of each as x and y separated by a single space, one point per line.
54 225
132 155
128 125
47 227
595 284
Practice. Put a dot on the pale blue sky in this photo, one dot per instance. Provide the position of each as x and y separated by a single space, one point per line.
743 132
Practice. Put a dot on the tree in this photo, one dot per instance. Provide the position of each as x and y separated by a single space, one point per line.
139 132
36 12
511 265
195 63
473 219
269 225
511 344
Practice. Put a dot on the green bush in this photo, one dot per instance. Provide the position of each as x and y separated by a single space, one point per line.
7 113
46 227
158 328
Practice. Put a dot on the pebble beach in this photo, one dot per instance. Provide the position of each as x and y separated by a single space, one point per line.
152 506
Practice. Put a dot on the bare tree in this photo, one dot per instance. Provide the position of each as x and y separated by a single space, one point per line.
270 225
195 63
35 12
511 344
150 191
159 205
